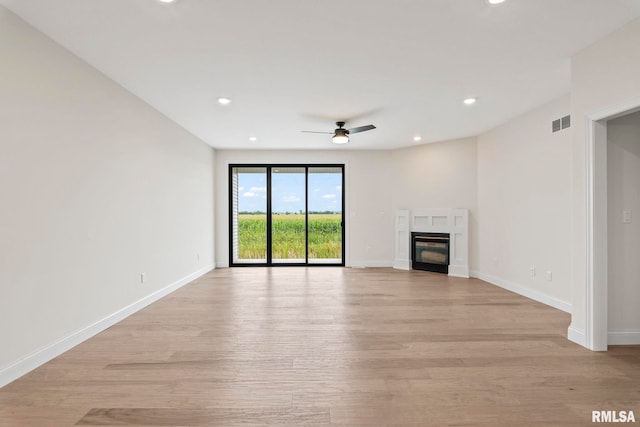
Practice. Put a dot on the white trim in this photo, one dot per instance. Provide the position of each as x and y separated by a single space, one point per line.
596 236
624 108
623 337
595 291
402 264
459 271
402 237
40 357
577 336
587 338
527 292
372 264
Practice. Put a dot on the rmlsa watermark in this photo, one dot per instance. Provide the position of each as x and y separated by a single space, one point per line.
613 417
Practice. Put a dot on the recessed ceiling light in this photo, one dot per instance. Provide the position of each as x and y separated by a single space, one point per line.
166 1
253 139
495 1
224 101
417 138
470 101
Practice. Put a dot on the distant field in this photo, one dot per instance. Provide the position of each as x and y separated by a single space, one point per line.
288 236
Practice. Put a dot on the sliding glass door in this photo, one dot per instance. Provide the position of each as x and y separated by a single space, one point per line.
325 217
248 228
286 215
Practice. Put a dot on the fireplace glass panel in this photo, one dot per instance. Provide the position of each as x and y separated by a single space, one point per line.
432 252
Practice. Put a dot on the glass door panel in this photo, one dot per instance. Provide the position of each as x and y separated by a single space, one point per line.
325 215
288 215
248 234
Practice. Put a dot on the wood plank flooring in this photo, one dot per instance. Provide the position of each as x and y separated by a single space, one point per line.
330 347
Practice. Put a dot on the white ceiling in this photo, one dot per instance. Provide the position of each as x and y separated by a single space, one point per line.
292 65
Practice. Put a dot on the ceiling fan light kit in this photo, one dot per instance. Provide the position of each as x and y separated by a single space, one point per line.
340 138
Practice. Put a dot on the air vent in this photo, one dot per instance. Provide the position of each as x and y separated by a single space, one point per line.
560 124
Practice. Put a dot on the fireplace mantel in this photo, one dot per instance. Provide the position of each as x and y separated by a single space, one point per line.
454 221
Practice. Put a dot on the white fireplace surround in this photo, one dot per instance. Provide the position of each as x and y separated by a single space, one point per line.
454 221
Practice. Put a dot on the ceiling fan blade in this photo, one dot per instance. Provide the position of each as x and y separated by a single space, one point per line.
312 131
361 129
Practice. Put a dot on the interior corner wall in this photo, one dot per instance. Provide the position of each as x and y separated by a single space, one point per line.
368 188
603 77
438 175
96 188
524 205
623 196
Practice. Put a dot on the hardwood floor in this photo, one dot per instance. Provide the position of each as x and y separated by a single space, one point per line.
330 347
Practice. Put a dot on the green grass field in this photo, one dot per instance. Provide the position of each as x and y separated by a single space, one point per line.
288 236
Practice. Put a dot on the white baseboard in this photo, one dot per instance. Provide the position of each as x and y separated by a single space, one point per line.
402 264
526 292
371 264
30 362
577 336
623 338
459 271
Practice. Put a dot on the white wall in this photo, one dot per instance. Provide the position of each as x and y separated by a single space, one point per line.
524 205
623 193
439 175
96 187
604 76
368 188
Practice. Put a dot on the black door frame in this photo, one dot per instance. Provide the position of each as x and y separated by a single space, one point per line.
269 259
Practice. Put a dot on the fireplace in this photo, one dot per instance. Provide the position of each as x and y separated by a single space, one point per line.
430 252
453 221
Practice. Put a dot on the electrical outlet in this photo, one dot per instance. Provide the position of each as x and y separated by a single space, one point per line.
198 256
626 216
142 277
549 276
532 270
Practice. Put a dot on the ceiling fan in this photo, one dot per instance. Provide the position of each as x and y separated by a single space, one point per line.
341 135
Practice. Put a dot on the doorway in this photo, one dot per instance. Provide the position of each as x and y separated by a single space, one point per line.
623 230
286 215
597 334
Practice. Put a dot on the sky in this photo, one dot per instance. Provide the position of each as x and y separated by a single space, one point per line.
288 191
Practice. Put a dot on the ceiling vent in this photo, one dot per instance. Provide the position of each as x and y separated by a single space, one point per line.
560 124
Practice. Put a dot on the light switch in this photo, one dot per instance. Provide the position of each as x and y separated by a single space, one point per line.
626 216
